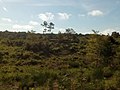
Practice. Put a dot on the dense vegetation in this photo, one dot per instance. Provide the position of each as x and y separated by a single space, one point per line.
30 61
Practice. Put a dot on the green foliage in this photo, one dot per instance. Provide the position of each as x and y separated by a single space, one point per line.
59 61
74 64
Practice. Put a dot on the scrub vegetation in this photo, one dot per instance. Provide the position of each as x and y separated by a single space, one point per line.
63 61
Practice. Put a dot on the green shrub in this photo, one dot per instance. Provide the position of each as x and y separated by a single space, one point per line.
73 64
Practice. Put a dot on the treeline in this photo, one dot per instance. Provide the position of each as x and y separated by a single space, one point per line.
59 61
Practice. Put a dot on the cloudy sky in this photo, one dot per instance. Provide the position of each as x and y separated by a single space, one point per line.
81 15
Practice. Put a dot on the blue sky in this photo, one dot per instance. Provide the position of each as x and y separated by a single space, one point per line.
81 15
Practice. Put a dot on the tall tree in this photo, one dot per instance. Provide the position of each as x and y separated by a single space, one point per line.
70 31
47 26
50 26
95 32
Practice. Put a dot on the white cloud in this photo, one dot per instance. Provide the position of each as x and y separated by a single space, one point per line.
6 19
25 27
33 23
46 16
95 13
5 9
108 31
64 16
